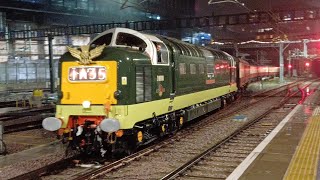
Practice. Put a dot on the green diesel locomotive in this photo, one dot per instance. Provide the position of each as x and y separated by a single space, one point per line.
127 88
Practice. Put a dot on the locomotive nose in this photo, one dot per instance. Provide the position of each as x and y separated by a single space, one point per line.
51 123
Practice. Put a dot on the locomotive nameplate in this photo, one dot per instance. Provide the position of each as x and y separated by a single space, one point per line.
87 73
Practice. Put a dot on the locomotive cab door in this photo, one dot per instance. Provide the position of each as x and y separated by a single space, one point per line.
165 57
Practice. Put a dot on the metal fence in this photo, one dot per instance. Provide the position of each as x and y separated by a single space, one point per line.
26 72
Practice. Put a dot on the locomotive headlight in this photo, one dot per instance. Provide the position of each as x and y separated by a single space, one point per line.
109 125
51 123
86 104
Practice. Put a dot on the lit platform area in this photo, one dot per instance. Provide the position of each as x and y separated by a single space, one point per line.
291 151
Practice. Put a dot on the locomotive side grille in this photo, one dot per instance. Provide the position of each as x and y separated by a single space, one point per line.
139 84
143 84
147 83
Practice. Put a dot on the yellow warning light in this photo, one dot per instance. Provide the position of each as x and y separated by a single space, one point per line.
140 136
181 121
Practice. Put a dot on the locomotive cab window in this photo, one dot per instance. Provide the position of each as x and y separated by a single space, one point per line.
162 53
126 39
106 39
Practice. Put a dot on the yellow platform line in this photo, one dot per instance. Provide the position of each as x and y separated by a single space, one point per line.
304 163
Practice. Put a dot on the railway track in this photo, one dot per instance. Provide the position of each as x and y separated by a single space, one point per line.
25 119
185 136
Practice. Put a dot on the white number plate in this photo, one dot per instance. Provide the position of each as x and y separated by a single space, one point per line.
87 73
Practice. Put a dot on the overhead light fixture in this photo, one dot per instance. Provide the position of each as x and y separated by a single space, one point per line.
225 1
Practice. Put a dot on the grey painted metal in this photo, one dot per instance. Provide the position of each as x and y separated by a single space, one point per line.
51 64
16 72
281 63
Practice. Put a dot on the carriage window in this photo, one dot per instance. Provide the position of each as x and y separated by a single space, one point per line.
193 69
183 68
105 39
130 40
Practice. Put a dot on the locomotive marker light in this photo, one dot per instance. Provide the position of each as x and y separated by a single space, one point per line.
110 125
51 123
86 104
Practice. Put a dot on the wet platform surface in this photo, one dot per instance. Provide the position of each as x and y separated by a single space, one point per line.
293 153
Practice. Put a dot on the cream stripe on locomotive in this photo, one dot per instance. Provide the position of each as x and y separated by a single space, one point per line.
127 114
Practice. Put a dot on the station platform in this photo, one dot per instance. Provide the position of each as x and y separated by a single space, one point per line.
291 150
